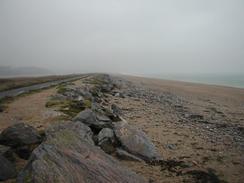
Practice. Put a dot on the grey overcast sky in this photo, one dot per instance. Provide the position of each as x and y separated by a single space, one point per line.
125 36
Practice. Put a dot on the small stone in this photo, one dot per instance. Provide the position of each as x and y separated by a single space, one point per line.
170 146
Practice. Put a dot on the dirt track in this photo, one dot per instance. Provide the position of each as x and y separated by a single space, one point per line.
29 109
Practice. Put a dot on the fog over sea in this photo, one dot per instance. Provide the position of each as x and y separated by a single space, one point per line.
231 80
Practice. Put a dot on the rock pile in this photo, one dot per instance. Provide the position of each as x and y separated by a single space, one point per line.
80 150
69 155
18 139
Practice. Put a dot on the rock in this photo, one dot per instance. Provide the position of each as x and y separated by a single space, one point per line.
24 152
101 117
66 157
96 107
86 93
106 140
119 94
126 156
80 129
80 98
103 113
135 141
20 135
113 116
7 170
93 120
194 116
107 84
170 146
107 87
6 152
87 116
116 110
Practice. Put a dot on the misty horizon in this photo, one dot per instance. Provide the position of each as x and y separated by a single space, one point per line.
128 37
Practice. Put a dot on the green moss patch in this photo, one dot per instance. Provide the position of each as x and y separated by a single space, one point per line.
69 107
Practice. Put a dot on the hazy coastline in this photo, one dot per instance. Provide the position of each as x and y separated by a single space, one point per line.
225 80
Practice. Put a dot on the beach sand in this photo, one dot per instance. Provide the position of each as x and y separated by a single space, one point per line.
200 124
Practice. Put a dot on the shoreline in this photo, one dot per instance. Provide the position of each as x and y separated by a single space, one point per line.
186 81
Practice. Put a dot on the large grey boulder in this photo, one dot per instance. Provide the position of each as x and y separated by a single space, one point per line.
20 135
135 141
87 116
7 170
80 129
66 157
93 120
106 140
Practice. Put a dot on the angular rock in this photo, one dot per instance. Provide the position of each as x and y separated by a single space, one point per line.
93 120
105 113
20 135
7 170
126 156
101 117
106 140
110 113
135 141
83 131
87 116
66 157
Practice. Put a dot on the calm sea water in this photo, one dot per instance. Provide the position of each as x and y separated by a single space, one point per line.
223 80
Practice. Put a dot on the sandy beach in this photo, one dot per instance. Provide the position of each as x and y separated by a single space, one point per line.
200 125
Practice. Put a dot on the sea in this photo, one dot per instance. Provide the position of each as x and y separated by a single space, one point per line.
231 80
